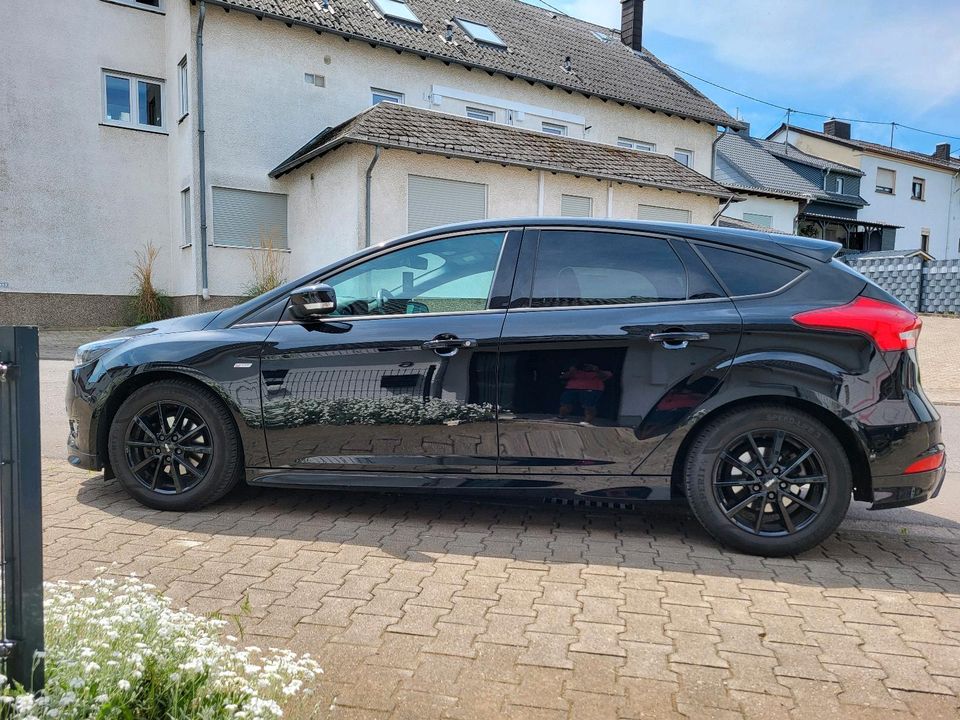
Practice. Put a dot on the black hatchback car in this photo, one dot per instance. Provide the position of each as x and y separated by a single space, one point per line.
752 374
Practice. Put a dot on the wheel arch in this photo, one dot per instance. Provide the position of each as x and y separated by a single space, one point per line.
852 446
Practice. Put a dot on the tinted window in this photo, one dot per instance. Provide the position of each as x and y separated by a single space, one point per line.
701 284
747 274
449 275
594 268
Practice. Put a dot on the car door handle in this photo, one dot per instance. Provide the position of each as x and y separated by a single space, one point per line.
677 340
448 345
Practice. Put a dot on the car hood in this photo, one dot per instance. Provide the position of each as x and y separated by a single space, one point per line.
185 323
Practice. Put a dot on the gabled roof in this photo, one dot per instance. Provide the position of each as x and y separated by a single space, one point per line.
952 164
538 43
746 162
790 152
403 127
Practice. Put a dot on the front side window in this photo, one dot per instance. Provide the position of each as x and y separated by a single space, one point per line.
593 268
453 274
684 157
133 101
379 96
917 188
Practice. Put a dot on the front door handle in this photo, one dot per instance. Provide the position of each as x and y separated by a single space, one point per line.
677 340
442 345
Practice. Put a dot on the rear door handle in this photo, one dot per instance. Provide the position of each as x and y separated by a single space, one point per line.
448 345
677 340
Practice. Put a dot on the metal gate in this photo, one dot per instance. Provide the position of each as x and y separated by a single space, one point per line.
21 539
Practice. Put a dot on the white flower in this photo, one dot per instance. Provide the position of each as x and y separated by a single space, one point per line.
124 685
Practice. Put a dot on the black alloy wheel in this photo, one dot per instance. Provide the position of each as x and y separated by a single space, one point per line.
169 447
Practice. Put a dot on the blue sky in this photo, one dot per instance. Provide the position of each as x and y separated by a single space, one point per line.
869 59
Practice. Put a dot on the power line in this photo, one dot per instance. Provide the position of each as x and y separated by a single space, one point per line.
794 111
552 7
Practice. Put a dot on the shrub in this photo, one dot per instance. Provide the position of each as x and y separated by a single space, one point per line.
116 650
148 304
268 267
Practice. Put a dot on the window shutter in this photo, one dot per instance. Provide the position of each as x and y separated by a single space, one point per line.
244 218
886 178
436 201
663 214
758 219
576 206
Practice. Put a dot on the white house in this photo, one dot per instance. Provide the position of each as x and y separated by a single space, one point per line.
918 193
169 121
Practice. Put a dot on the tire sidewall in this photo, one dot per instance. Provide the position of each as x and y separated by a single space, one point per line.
223 468
703 458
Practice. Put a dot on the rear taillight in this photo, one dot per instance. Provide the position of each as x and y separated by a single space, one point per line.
925 464
889 326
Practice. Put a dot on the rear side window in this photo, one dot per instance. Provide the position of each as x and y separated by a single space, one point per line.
594 268
747 274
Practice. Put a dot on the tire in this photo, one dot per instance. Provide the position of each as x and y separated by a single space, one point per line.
152 463
779 519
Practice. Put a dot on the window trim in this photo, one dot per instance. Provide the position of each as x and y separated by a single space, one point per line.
631 144
186 218
463 23
922 182
140 6
134 101
402 98
564 130
491 114
183 86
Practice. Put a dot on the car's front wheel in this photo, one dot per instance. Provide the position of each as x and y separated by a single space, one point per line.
768 480
173 446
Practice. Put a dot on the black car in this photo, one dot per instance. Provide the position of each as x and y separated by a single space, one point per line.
752 374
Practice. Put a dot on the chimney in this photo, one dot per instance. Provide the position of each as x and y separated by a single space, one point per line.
745 131
837 129
942 151
631 23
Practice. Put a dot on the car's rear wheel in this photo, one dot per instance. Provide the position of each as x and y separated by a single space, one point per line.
768 480
173 446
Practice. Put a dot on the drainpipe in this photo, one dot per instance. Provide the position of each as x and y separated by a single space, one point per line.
540 184
713 154
202 161
367 195
721 211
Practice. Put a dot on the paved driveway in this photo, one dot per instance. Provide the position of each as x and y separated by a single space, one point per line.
423 607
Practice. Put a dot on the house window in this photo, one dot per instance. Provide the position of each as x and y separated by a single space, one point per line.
184 87
576 206
602 37
663 214
925 242
481 114
886 181
244 218
759 219
433 201
636 144
379 96
186 214
917 188
838 185
397 10
132 101
481 33
684 157
554 129
154 5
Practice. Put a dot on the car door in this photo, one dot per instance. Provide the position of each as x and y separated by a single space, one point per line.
402 375
612 338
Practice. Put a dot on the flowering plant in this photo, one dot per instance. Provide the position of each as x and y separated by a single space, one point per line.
116 649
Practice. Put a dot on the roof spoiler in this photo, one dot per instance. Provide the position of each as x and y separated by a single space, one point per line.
815 249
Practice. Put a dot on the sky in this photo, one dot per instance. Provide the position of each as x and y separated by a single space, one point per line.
883 60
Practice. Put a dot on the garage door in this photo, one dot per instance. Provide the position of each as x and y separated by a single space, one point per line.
437 201
663 214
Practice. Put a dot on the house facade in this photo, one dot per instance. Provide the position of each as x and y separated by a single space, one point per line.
129 152
917 192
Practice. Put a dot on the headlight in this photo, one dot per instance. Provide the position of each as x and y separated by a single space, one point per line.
86 354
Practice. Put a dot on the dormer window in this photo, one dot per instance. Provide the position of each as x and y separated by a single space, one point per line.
838 185
396 10
481 33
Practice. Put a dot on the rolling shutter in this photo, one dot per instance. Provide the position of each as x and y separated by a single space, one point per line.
243 218
758 219
662 214
576 206
436 201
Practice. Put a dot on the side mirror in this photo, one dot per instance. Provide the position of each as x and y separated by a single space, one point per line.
312 303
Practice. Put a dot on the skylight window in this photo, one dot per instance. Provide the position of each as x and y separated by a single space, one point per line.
396 9
481 33
602 37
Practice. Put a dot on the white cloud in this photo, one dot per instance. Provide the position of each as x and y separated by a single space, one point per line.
905 53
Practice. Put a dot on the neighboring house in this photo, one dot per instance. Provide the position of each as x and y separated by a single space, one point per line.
919 192
791 191
484 108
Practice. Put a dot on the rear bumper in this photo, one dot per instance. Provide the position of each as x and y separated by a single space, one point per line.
900 490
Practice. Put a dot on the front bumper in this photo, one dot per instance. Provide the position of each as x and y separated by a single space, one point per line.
81 433
900 490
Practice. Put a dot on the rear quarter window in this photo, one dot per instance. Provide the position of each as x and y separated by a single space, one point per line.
747 274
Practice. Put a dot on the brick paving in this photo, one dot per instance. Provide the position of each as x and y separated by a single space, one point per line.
939 369
424 607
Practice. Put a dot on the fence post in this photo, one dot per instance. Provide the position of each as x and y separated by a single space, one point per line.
20 509
923 284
